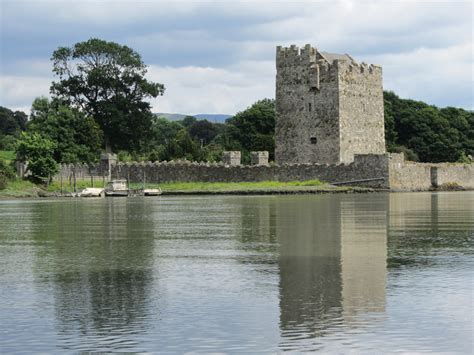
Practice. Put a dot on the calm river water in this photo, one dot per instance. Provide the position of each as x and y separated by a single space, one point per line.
337 273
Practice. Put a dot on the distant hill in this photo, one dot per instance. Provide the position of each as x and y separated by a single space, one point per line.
212 117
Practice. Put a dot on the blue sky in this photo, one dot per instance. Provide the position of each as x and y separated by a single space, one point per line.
218 57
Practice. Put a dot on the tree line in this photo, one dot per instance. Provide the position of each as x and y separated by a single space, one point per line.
100 103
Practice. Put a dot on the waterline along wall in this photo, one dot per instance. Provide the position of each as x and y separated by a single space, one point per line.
389 171
369 166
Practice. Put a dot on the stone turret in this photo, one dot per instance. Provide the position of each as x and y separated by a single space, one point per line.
328 107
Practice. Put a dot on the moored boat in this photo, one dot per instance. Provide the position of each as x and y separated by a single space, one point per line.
116 188
152 192
92 192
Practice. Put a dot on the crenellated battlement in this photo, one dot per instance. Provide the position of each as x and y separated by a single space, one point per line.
293 54
324 62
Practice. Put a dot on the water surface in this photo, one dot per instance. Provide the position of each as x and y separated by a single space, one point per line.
385 272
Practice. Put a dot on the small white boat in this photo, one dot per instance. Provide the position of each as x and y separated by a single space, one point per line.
151 192
92 192
116 188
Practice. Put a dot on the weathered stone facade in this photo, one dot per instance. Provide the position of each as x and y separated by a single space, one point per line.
389 171
410 176
328 107
259 158
231 158
363 167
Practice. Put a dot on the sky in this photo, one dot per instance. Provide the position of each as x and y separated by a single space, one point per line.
219 57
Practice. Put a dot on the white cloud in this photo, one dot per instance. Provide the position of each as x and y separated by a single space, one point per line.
18 92
195 90
433 75
205 50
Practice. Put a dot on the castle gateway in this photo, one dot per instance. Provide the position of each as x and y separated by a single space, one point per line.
328 107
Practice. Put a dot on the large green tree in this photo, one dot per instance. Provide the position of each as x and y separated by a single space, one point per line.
77 137
107 81
432 134
12 123
251 129
38 152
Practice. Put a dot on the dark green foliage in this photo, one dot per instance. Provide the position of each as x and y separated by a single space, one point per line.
7 142
203 131
12 123
77 137
188 121
252 129
163 131
107 81
38 152
432 134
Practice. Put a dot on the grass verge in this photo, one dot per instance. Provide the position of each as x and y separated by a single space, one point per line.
20 188
229 186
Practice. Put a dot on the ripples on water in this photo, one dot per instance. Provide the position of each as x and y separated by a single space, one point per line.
374 272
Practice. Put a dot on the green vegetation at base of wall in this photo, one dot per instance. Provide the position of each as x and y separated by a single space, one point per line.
231 186
23 188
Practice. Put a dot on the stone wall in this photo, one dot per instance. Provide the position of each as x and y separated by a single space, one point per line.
460 174
363 167
328 107
411 176
307 102
389 170
259 158
361 113
231 158
81 171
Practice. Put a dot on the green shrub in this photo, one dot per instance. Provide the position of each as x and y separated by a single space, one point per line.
6 170
3 181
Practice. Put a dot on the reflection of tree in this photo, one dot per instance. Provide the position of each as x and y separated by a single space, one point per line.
332 260
101 260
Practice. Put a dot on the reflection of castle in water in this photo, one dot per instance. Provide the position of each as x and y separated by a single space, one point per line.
332 260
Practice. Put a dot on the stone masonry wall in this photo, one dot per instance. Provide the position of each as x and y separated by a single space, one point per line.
461 174
397 174
361 112
411 176
363 167
307 126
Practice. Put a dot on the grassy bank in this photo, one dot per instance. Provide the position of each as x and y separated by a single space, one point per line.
21 188
262 187
229 186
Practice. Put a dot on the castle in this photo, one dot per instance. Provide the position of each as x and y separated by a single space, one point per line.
329 126
328 107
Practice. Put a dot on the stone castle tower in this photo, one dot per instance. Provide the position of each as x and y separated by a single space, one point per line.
328 107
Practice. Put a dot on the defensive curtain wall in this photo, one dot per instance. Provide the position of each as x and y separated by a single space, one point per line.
388 171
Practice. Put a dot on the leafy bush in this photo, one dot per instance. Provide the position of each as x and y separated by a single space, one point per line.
6 174
38 152
7 142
